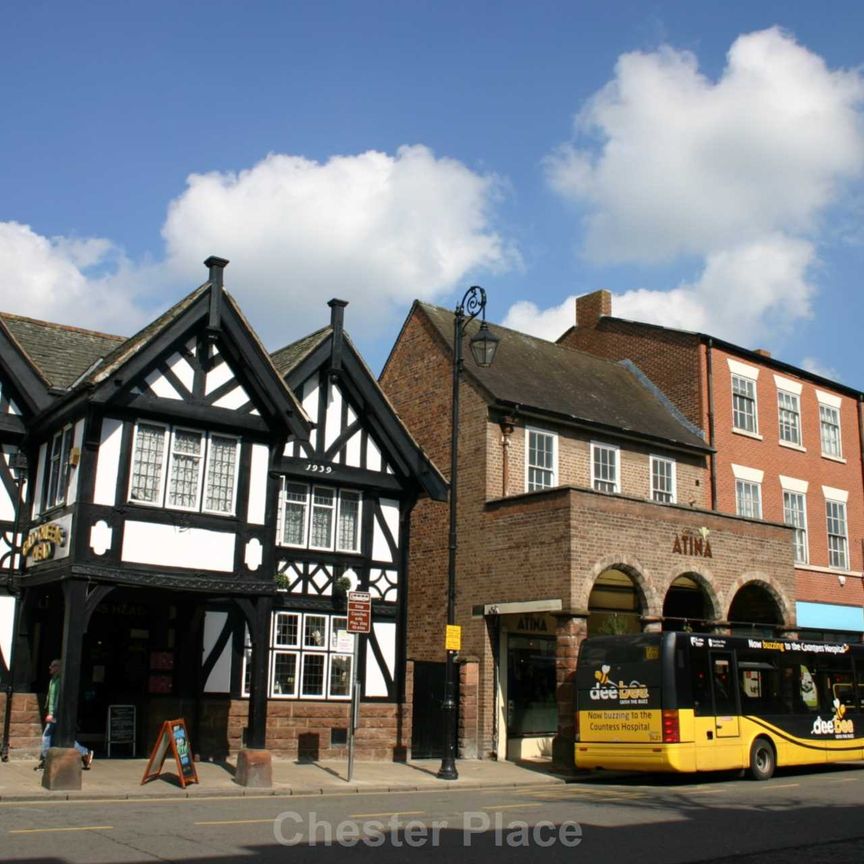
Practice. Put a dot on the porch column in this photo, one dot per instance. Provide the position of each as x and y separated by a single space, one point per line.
74 625
571 628
259 633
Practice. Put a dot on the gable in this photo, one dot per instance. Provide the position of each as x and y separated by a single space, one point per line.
198 374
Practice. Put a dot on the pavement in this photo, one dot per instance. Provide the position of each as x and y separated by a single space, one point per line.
121 779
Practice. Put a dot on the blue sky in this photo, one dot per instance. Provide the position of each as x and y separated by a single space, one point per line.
703 161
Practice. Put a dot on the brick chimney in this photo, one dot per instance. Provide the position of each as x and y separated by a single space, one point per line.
763 352
590 308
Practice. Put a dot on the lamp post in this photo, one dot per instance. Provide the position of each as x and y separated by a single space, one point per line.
18 467
483 346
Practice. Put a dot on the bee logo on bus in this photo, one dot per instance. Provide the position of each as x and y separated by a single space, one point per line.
633 693
838 726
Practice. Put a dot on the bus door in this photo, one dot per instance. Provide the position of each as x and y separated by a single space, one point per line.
725 695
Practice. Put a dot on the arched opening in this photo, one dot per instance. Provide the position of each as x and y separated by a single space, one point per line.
687 606
754 612
615 604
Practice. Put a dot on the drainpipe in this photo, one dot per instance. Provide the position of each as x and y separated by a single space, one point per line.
709 368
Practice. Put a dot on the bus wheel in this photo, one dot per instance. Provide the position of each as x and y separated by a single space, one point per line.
762 760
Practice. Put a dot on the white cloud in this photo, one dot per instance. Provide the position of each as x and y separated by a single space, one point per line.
50 278
687 166
375 228
669 165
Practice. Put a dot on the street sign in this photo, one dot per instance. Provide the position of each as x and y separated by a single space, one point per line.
453 639
359 611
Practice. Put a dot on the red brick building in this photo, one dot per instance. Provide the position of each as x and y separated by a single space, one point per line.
582 508
787 448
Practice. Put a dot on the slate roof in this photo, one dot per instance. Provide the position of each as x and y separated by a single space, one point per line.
61 354
540 376
285 359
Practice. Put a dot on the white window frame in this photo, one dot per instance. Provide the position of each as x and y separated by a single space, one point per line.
800 542
828 402
742 487
163 473
531 486
792 415
173 458
60 443
752 397
206 477
309 505
616 466
673 479
838 501
168 458
314 507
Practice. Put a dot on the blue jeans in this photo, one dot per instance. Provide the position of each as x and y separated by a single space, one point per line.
48 737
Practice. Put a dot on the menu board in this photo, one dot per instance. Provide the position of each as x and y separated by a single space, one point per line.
121 727
174 737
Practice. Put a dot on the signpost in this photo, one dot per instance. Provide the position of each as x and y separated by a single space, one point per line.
360 624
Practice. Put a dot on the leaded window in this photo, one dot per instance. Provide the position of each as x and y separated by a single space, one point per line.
185 469
148 464
323 506
221 474
58 469
348 538
320 517
294 514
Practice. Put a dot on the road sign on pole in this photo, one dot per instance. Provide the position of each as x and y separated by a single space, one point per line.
359 623
359 611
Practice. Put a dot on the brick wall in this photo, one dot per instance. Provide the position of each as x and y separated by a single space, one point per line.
25 727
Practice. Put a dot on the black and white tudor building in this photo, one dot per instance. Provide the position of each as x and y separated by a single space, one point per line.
191 513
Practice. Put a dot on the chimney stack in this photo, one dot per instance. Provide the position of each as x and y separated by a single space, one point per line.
763 352
216 266
590 308
337 316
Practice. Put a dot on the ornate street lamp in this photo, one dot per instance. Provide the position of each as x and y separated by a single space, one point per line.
483 344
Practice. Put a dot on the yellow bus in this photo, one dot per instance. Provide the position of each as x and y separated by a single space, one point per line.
697 702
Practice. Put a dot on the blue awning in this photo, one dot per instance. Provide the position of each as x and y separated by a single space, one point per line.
829 616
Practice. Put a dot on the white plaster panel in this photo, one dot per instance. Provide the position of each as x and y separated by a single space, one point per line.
310 406
289 449
7 504
7 620
380 547
373 455
233 399
352 450
258 484
161 386
385 633
179 365
170 546
100 537
75 473
108 462
216 377
254 554
333 421
219 680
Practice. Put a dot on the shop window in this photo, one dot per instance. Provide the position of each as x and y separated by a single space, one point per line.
184 469
320 517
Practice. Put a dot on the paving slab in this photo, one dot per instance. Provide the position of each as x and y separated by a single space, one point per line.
121 778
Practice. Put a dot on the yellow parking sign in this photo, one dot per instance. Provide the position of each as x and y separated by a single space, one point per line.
453 640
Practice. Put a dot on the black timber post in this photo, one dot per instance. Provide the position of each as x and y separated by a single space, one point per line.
259 627
337 318
74 624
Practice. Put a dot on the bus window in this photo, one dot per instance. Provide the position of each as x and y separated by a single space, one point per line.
807 688
759 684
725 703
699 683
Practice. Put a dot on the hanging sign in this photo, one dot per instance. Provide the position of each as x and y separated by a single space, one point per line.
172 736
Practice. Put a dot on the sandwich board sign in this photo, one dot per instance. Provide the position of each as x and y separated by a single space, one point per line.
174 738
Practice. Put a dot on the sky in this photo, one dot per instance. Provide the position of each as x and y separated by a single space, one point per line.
703 161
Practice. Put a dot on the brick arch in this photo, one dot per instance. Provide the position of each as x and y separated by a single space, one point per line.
651 604
705 580
787 616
